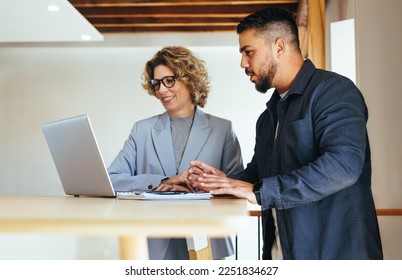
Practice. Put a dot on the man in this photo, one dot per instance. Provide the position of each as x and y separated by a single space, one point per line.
311 169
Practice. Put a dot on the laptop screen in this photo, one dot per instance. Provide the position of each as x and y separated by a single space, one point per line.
76 155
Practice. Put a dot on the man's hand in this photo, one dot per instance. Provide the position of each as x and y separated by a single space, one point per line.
209 179
198 169
217 185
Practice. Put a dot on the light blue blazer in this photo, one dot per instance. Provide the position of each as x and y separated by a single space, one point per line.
147 157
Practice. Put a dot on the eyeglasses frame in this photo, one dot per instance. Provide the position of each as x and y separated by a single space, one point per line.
153 86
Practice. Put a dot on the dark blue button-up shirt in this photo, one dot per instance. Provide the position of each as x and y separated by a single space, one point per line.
317 172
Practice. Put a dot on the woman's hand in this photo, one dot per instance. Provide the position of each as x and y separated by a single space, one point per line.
172 188
178 183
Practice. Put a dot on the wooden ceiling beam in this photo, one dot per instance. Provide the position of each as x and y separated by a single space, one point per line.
175 24
142 3
186 29
242 15
177 10
172 15
153 20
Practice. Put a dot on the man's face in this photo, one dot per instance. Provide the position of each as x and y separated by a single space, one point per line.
257 60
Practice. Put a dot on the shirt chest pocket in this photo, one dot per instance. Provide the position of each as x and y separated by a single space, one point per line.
297 142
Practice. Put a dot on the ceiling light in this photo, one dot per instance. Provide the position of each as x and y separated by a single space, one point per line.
52 8
86 37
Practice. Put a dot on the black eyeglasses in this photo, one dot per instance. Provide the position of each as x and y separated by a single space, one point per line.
167 81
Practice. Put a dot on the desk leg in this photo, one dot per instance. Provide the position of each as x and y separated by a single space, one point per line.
133 247
199 248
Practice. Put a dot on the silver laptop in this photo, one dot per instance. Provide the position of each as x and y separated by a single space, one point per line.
80 165
77 157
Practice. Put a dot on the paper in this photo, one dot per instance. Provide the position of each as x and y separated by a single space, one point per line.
164 196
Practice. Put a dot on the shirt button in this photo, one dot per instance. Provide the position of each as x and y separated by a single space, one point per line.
150 187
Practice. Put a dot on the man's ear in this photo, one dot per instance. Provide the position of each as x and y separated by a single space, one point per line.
279 47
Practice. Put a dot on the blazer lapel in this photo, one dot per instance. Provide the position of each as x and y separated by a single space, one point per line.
162 140
198 136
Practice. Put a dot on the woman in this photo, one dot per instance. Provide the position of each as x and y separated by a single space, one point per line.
158 152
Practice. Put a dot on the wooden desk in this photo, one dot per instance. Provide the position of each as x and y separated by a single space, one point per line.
132 220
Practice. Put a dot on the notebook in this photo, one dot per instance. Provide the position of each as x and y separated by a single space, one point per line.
79 163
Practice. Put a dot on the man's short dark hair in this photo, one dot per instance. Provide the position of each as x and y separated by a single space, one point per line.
273 21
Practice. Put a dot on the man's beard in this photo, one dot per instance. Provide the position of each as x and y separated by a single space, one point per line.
264 85
266 80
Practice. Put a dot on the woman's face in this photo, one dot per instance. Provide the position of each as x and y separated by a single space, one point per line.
176 99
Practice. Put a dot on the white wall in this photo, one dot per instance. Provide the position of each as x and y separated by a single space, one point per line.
379 45
42 83
378 59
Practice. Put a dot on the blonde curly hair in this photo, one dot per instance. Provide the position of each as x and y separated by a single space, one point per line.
186 67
